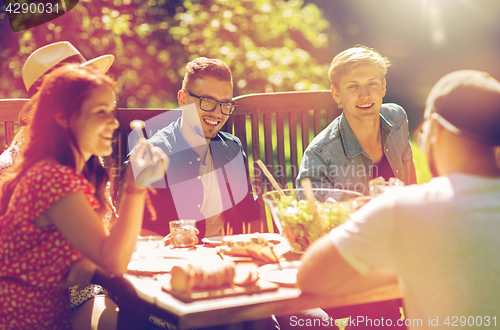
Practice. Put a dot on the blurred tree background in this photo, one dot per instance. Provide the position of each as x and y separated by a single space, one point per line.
269 45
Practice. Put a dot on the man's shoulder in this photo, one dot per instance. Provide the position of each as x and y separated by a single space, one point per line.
393 113
166 138
436 191
392 109
328 137
225 136
229 139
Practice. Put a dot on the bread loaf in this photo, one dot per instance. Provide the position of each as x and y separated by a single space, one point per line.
246 274
200 277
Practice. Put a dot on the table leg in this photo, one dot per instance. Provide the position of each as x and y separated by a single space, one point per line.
132 315
133 312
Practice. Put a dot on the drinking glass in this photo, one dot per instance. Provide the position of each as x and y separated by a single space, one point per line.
183 233
150 246
378 185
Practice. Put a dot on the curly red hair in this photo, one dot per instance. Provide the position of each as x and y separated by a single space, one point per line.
61 94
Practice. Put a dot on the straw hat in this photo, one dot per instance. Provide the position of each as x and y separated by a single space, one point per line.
45 58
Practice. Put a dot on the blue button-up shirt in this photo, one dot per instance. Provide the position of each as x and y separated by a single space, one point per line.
180 194
335 159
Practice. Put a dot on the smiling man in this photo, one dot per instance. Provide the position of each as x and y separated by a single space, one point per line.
207 179
369 139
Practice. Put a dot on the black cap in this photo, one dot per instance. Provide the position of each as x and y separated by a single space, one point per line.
469 100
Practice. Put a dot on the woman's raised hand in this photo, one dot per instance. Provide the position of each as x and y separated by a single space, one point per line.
149 163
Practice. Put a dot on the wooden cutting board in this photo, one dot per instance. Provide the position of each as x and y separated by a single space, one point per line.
228 291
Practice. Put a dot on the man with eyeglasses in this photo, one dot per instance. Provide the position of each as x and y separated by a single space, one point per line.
207 179
440 238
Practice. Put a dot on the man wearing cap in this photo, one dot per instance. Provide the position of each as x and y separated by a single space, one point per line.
41 62
440 240
89 306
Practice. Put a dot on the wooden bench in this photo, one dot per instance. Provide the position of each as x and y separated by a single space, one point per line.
9 113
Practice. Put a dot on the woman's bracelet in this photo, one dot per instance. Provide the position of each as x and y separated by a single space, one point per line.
130 189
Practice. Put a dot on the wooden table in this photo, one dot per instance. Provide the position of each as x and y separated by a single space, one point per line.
140 296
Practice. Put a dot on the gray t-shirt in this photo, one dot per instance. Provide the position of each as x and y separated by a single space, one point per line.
442 238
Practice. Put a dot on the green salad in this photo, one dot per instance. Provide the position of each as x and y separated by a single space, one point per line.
299 225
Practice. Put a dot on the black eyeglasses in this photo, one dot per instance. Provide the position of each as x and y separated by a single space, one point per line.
208 104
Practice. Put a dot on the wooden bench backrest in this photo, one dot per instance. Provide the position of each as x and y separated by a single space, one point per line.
9 113
277 128
294 118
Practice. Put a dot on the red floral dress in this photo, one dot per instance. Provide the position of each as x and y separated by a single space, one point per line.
34 260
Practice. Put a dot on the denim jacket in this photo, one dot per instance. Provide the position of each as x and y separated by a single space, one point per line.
335 159
180 194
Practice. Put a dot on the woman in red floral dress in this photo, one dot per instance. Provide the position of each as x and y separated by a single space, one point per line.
53 199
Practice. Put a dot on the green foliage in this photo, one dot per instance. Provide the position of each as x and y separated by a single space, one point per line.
421 166
270 45
263 41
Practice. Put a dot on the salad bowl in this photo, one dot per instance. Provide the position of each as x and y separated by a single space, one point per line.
302 221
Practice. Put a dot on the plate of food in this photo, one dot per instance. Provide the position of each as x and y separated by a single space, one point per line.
258 247
284 273
214 240
218 240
